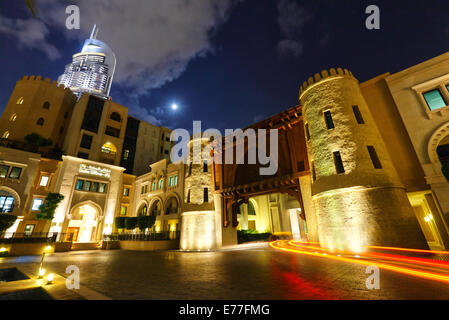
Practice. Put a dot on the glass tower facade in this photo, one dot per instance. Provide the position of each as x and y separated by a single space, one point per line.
91 70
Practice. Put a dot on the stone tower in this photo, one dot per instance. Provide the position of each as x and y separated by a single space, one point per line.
39 106
357 194
199 219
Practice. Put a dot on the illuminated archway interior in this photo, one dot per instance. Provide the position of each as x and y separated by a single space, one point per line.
84 223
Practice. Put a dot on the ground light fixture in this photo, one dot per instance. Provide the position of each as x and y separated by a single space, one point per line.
50 278
41 273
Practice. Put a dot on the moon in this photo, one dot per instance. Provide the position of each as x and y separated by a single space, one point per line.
174 106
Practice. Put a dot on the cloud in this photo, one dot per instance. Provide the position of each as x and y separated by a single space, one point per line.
30 34
154 41
292 19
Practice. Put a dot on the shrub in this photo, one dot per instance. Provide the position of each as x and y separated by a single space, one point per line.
144 222
48 208
4 253
445 169
37 140
6 221
252 235
120 222
131 223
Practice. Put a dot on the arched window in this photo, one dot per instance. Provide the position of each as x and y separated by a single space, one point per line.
251 210
143 210
40 121
13 117
172 205
6 202
5 135
156 208
161 183
109 148
116 117
20 100
46 105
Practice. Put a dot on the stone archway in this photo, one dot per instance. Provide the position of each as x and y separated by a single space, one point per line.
155 207
172 203
437 137
84 221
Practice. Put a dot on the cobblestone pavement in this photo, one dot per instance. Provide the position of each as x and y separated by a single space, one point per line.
238 274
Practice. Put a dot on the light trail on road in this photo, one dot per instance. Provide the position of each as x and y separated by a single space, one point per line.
290 246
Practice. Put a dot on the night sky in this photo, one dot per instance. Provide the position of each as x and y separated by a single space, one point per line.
257 56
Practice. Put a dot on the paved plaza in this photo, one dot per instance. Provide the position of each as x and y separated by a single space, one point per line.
261 273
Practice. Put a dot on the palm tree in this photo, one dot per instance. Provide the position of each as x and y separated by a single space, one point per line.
32 6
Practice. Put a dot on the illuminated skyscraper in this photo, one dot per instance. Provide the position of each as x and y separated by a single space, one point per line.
92 70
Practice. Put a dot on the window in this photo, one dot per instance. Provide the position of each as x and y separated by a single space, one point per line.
6 204
313 171
116 117
5 135
434 99
13 117
79 185
83 155
29 228
338 162
123 210
358 115
166 151
126 154
94 187
153 187
142 190
36 204
20 100
113 132
15 173
307 131
172 181
126 192
206 195
328 119
44 181
4 171
374 158
87 185
161 183
109 148
86 141
190 168
66 115
46 105
40 122
102 188
205 167
188 196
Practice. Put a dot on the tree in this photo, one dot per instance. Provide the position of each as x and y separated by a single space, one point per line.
120 222
144 222
131 223
32 6
6 221
37 140
48 208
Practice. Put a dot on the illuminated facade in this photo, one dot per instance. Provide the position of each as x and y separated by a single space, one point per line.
359 164
92 70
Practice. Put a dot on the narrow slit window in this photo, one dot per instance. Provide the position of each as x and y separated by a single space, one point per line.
206 194
338 163
358 115
307 132
374 158
313 171
328 119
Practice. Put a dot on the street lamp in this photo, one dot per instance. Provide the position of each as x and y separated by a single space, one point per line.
47 248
